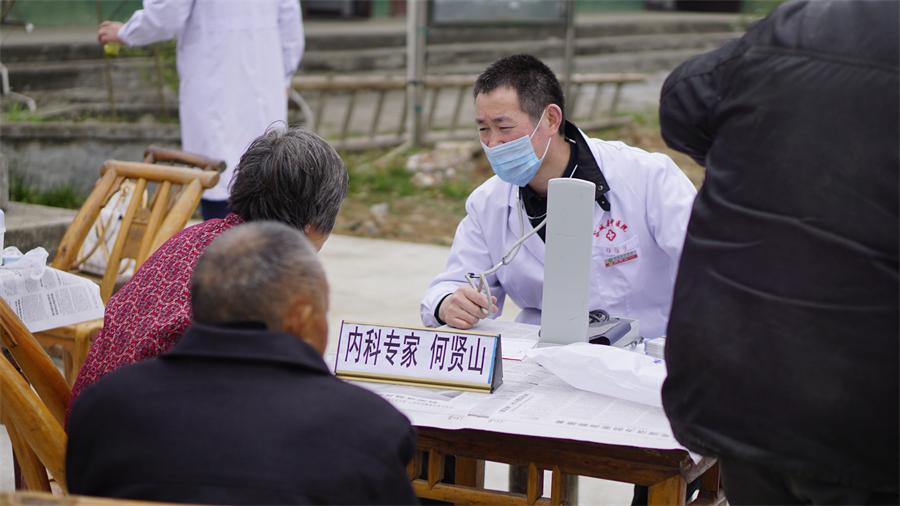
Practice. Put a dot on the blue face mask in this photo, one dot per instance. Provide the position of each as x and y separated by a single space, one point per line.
516 162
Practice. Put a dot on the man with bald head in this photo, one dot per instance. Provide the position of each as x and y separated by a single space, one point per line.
243 410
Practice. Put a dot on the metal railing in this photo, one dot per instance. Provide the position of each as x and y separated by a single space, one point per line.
320 96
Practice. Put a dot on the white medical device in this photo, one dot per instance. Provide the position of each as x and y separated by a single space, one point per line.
567 261
478 281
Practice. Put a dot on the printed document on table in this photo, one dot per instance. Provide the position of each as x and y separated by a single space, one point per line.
55 299
532 401
515 338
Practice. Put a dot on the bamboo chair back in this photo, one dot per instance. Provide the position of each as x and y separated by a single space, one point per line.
158 155
146 223
34 421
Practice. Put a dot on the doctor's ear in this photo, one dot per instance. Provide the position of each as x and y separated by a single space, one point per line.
555 118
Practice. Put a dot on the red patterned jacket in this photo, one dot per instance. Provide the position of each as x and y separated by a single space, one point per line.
149 313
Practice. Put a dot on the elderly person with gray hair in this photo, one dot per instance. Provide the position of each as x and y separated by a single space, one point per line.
243 410
286 175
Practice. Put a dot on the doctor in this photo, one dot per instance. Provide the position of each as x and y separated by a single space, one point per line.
235 61
643 202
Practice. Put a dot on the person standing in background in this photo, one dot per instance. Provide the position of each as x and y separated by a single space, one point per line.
235 61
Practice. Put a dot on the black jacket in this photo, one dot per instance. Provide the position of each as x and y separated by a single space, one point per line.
782 343
237 416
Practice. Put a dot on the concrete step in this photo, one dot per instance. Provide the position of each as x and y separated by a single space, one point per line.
643 62
387 61
477 54
600 26
140 97
90 131
129 74
652 42
139 112
70 154
322 36
132 104
52 51
29 226
92 95
633 45
58 75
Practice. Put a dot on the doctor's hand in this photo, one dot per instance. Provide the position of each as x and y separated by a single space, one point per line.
109 32
464 307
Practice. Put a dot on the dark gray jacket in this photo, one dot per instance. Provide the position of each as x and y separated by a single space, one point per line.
237 416
782 343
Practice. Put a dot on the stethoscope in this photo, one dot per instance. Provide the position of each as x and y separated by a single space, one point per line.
482 285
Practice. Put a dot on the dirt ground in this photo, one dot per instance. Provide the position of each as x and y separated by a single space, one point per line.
648 138
432 217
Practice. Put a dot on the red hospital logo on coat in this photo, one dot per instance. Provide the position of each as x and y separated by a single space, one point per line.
616 253
610 225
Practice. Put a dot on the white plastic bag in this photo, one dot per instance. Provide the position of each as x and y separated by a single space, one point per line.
101 239
31 264
606 370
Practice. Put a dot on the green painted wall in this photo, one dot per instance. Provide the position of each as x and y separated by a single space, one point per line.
608 5
381 8
72 12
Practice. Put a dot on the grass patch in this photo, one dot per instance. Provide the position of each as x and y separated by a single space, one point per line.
427 215
457 190
23 190
19 113
390 182
375 177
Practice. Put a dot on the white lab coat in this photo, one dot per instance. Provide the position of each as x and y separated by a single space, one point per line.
235 60
650 204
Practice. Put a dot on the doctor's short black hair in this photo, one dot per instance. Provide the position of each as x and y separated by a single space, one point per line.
291 176
534 82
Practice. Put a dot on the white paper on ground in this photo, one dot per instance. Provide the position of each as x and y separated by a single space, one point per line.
53 299
532 401
606 370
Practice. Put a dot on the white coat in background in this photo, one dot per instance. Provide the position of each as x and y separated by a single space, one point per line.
636 245
235 60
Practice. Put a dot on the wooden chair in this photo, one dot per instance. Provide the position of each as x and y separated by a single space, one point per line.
34 362
146 224
39 499
34 418
159 155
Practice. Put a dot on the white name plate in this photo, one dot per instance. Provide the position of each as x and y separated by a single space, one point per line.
419 356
